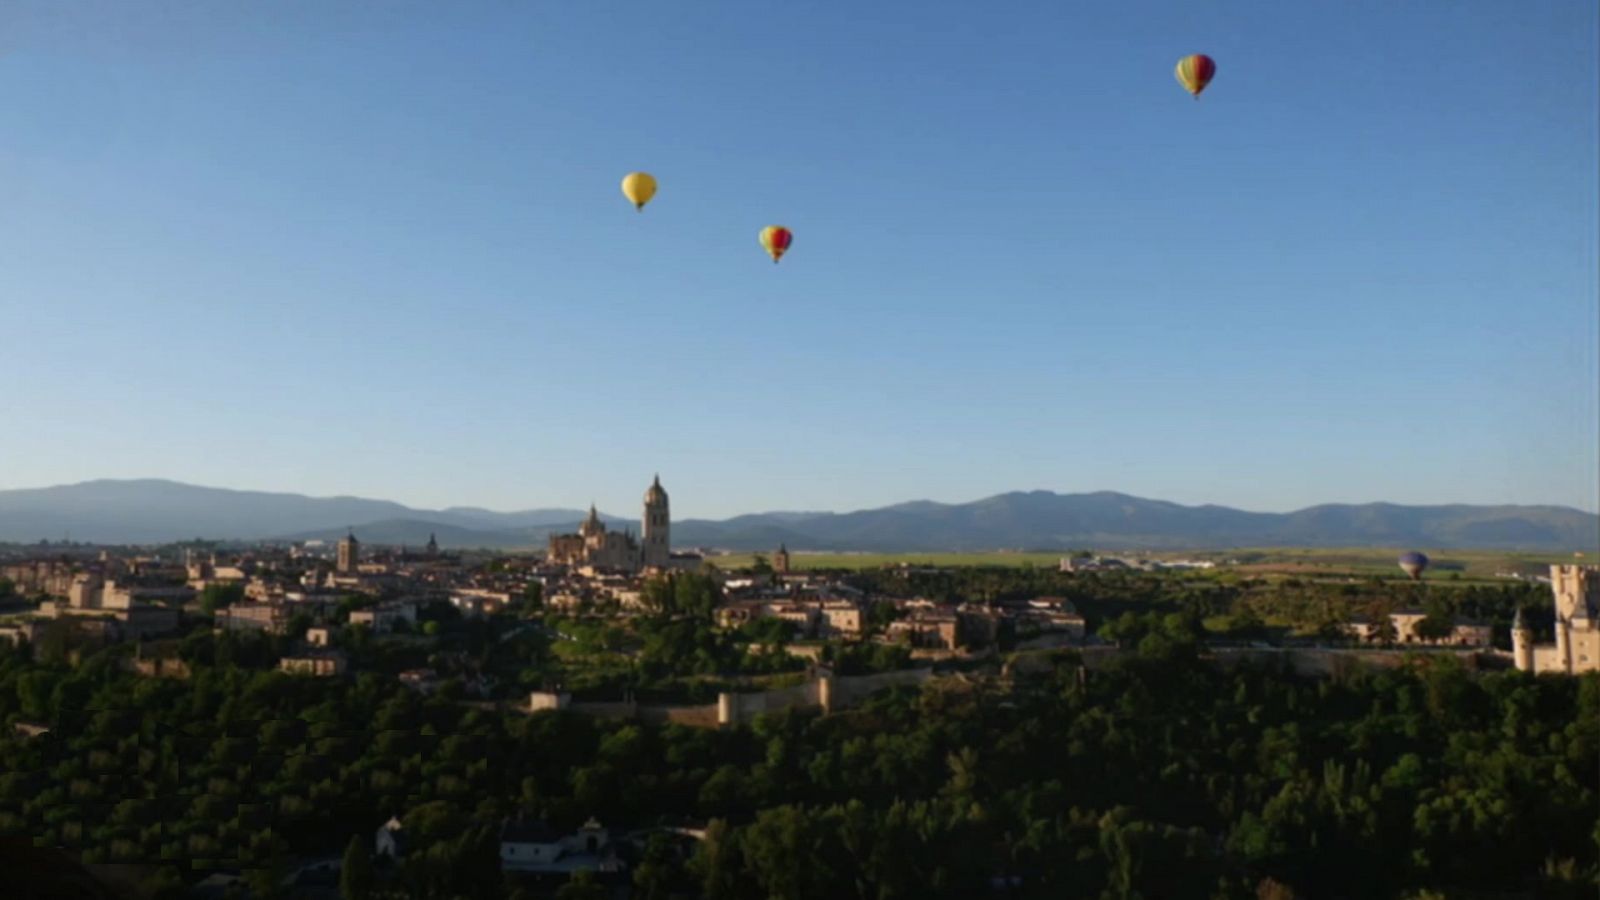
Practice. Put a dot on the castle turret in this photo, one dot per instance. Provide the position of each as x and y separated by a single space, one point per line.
1521 643
657 549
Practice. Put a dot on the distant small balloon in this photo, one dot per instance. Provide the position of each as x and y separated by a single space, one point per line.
1195 72
1413 563
776 239
638 187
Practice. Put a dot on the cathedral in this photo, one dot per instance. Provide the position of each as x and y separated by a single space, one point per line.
597 548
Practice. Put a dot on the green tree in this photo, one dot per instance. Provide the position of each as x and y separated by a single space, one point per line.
218 595
1438 624
267 880
165 883
582 886
356 873
719 864
659 875
1387 633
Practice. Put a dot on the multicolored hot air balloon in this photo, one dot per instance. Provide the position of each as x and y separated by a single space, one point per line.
1195 72
776 239
638 187
1413 563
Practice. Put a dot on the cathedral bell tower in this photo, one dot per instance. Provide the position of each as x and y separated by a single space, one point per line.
657 527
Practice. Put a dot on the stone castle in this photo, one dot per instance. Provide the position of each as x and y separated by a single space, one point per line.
595 547
1577 646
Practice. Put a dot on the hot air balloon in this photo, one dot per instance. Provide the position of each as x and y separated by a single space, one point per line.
1195 72
776 239
638 187
1413 563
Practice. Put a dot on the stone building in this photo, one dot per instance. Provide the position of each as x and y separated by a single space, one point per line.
319 665
596 547
657 527
1577 645
349 560
41 576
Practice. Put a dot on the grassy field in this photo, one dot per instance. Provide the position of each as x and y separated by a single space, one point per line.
877 560
1472 564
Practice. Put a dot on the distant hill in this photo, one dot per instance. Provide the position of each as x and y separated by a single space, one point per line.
1106 519
152 511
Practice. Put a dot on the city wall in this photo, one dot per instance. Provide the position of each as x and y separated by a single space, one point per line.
1315 662
826 693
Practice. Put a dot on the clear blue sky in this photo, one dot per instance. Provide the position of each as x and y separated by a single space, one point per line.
379 249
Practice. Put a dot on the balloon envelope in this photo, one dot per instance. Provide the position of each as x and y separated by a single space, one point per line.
1413 563
776 239
638 187
1195 72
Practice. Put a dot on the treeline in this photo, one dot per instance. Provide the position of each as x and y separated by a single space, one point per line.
1161 777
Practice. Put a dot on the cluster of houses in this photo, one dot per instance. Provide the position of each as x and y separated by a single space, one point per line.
1115 563
134 597
105 597
820 608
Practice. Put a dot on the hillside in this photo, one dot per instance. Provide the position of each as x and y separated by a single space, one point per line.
149 511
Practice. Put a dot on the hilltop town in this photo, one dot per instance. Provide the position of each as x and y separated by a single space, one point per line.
321 598
615 627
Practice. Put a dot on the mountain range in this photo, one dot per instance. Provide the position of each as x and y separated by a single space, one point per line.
150 511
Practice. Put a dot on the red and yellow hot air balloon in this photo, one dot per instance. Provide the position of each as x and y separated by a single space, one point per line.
638 187
1195 72
776 239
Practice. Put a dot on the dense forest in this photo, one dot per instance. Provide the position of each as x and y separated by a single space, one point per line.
1163 776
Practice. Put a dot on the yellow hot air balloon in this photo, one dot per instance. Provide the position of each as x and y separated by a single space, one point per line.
638 187
776 239
1195 72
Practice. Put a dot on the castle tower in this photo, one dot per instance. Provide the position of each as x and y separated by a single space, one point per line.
349 555
1577 601
1521 643
1577 591
1563 642
780 560
657 527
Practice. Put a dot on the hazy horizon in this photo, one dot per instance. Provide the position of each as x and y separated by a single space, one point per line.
624 509
382 252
